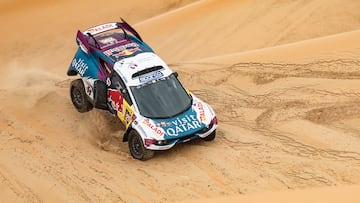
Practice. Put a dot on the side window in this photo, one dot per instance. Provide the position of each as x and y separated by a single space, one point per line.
118 83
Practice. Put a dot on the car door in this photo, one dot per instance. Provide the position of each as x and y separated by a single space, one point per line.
120 100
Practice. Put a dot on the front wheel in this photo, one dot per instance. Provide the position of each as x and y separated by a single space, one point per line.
210 137
137 148
79 97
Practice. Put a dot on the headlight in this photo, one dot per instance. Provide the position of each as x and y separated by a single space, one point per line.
163 142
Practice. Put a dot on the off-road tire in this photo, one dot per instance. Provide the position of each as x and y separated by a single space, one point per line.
79 97
210 137
137 148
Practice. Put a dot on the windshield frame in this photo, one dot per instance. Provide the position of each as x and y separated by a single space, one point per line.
152 82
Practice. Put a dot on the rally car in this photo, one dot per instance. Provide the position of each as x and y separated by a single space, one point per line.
120 73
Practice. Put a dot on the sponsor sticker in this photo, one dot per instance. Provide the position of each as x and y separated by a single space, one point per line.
184 124
153 127
108 82
151 76
123 50
116 99
101 28
80 65
128 117
133 65
127 52
88 90
200 107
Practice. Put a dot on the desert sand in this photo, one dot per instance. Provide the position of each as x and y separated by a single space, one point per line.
283 77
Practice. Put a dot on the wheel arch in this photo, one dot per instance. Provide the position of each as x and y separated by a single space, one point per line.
85 104
133 127
71 72
126 134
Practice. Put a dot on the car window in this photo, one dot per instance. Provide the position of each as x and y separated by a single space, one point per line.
118 84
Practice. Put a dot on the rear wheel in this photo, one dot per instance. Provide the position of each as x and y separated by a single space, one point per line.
137 148
210 137
79 97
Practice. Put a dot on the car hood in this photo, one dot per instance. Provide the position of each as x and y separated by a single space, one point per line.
197 117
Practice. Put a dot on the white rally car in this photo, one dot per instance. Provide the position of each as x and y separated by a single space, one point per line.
120 73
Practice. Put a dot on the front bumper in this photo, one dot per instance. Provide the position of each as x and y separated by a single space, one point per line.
169 143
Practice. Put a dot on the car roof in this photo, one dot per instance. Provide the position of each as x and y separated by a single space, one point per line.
116 46
142 68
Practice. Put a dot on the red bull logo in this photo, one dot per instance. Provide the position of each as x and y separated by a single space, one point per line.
123 50
116 99
127 52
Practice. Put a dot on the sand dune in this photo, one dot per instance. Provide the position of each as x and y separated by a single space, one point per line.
287 103
234 26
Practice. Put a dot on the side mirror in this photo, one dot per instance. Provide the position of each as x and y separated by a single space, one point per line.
176 74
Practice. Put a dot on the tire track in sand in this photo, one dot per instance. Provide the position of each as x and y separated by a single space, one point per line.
280 104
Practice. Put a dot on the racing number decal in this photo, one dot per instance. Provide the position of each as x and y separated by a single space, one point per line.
126 115
128 118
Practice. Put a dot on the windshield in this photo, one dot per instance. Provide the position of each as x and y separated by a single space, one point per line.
162 98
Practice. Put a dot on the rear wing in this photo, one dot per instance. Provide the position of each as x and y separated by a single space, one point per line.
83 38
101 28
123 25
